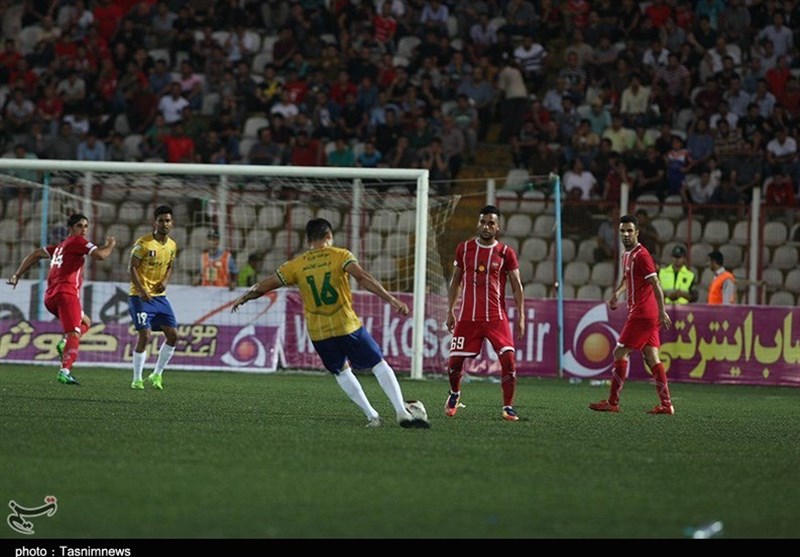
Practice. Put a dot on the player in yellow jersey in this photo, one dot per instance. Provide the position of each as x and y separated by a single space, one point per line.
321 275
150 267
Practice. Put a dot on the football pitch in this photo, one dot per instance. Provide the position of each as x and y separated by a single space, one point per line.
286 455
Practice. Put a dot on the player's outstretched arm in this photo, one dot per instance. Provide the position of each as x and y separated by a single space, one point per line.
27 263
103 252
370 283
260 288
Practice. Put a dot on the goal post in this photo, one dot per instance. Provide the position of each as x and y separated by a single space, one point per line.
261 208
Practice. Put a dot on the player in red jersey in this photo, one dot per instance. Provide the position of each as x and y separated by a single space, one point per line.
482 266
646 311
64 281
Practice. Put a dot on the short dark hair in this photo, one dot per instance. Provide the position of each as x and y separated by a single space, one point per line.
75 219
717 257
317 229
162 210
624 219
490 209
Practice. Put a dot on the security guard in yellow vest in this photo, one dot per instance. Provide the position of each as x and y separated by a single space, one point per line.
677 280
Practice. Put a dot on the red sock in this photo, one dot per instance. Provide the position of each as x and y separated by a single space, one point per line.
508 377
454 372
70 351
662 388
84 328
618 376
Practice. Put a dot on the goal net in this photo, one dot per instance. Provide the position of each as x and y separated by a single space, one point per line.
386 217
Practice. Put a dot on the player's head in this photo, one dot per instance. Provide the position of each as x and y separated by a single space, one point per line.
629 231
213 238
78 224
163 219
679 256
318 230
716 260
488 223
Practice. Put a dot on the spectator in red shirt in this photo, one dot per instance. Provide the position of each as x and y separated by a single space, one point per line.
108 16
180 147
780 190
307 151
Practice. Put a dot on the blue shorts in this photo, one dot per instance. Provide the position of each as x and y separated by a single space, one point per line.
154 315
359 347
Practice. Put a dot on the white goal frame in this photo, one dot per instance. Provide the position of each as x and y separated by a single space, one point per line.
420 176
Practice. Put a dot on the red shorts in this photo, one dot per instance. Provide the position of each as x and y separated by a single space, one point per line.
67 307
468 337
638 333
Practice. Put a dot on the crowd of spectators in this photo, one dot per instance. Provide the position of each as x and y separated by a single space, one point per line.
693 98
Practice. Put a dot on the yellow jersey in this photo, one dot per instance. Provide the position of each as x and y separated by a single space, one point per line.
320 276
156 259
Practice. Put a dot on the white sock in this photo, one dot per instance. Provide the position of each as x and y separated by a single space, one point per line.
64 370
164 354
388 382
139 358
350 385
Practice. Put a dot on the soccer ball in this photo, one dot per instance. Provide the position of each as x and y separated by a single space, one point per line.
417 409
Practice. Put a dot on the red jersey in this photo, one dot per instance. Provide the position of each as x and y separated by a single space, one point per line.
66 264
485 272
637 267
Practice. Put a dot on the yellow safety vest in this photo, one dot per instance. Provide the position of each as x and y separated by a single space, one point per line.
670 280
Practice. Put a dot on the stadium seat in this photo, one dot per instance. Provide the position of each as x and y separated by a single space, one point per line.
688 231
198 237
544 226
567 250
121 232
665 229
741 233
533 202
782 298
672 208
650 203
545 273
785 257
299 215
716 232
772 277
258 240
251 127
383 221
567 291
406 46
287 242
603 273
535 290
589 292
533 249
131 212
518 225
333 216
794 233
507 201
511 242
372 244
576 273
383 267
526 269
516 179
775 233
243 215
791 283
271 217
732 255
407 221
586 250
706 277
398 244
698 254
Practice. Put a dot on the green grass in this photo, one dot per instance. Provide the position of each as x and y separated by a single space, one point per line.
222 455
